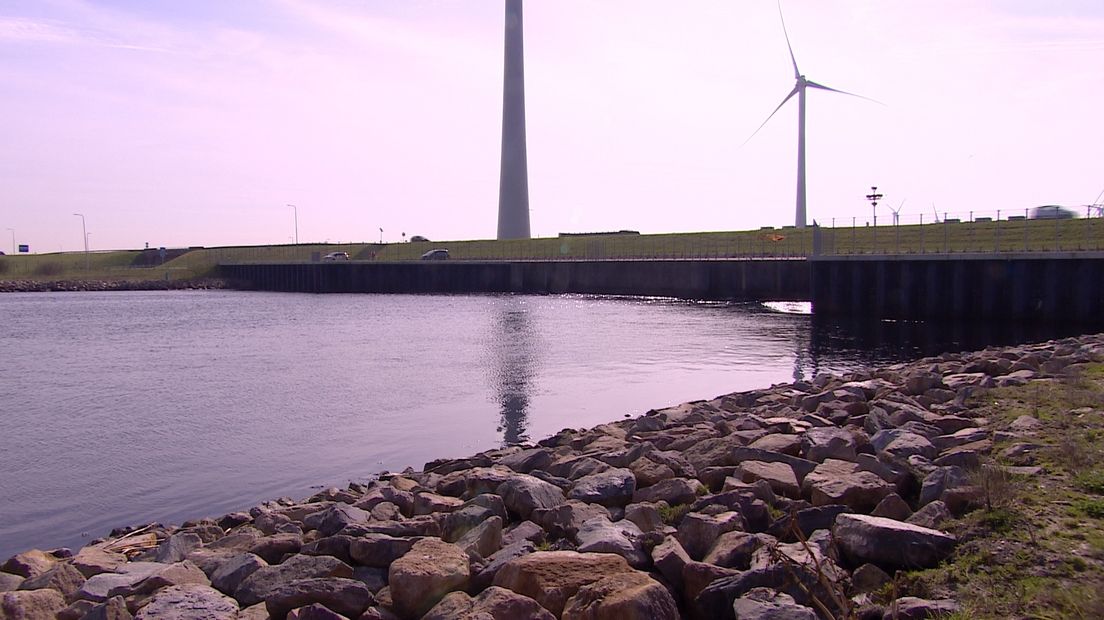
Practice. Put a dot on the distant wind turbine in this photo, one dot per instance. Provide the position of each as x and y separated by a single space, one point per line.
897 211
799 90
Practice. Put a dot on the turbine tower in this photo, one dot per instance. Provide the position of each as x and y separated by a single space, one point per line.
799 90
513 183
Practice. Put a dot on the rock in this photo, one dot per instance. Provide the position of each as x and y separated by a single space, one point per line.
566 519
42 604
599 535
782 443
266 579
430 570
273 548
734 549
103 586
9 582
940 481
379 550
801 467
613 487
344 596
717 600
94 560
494 603
911 608
502 557
336 517
240 541
484 539
63 577
674 491
807 521
189 602
959 438
645 516
29 563
697 532
230 574
429 503
178 574
526 461
842 482
762 607
669 558
892 507
898 445
627 596
337 546
314 611
177 547
553 577
931 515
526 530
522 494
115 608
697 576
649 472
869 578
779 476
829 443
889 543
1025 424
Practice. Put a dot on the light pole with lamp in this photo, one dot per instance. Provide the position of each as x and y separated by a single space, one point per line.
84 230
874 197
381 236
295 210
13 240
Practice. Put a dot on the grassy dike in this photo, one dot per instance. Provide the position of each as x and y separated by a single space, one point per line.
1036 549
953 237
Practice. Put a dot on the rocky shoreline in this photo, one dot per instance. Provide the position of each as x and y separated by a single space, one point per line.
45 286
796 501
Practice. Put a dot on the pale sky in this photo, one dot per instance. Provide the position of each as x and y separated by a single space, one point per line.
197 123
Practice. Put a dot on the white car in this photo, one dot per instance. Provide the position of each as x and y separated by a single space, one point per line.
336 256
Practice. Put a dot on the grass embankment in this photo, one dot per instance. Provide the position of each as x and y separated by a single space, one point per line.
957 237
1036 550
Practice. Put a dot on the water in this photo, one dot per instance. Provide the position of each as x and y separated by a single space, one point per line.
126 408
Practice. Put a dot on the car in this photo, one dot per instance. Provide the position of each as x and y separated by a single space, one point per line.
1051 212
418 239
438 254
336 256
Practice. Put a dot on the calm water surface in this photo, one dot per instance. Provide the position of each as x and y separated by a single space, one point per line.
125 408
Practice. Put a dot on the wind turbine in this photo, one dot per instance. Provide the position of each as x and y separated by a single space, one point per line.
799 89
897 211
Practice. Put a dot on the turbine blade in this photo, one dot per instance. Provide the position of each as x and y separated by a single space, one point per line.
797 73
842 92
788 97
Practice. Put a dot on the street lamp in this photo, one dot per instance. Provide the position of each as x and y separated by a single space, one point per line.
13 240
84 231
295 210
874 197
381 236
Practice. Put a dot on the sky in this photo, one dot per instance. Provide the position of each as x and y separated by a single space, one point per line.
198 123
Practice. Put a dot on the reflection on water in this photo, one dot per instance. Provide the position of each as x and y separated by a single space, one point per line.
511 370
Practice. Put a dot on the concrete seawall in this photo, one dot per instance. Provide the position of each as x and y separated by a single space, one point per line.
782 280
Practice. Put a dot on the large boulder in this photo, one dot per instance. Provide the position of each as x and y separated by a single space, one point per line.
763 604
842 482
484 539
564 521
266 579
829 442
613 487
379 550
890 544
627 596
177 547
40 604
780 476
63 577
29 563
698 531
553 577
231 573
430 570
94 560
344 596
599 535
673 491
189 602
494 603
522 494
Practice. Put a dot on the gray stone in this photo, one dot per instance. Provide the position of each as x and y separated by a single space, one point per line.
932 515
898 445
599 535
800 466
94 560
29 563
9 582
780 476
177 547
429 503
889 543
613 487
314 611
869 578
344 596
697 532
734 549
484 539
941 480
745 608
266 579
337 546
63 577
526 461
114 608
101 587
628 596
503 556
829 443
673 491
42 604
230 574
189 602
494 603
911 608
430 570
842 482
273 548
522 494
553 577
565 520
336 517
892 507
782 443
670 559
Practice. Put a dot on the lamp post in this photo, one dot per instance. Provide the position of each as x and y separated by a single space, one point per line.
381 236
874 197
295 211
84 234
13 240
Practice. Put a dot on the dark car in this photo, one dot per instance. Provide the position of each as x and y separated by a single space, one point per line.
438 254
336 256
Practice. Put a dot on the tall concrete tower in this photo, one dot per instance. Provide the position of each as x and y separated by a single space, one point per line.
513 183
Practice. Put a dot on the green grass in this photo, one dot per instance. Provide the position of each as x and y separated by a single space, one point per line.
962 237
